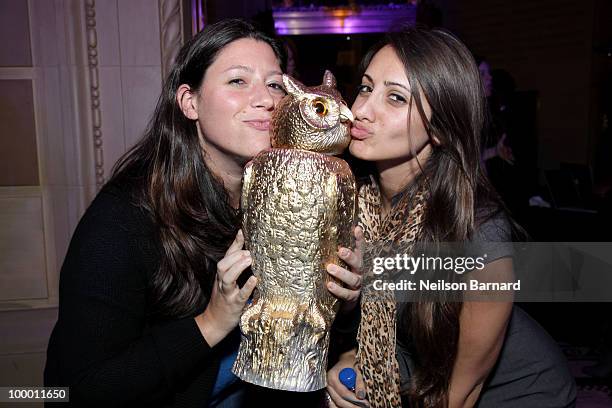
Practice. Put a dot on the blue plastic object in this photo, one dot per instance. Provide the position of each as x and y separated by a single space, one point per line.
347 377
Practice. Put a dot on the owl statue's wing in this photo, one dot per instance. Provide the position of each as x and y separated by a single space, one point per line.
331 191
247 181
346 206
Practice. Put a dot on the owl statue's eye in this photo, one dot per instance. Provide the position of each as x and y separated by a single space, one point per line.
320 107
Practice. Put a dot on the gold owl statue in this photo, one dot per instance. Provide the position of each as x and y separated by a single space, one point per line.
299 207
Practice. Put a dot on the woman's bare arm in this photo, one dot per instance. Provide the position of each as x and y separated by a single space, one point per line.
481 335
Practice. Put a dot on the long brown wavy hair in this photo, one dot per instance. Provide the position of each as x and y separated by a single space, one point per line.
441 66
168 177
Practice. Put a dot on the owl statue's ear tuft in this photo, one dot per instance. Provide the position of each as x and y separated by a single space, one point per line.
329 79
293 86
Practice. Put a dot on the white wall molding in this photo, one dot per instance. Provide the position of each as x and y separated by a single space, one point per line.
94 91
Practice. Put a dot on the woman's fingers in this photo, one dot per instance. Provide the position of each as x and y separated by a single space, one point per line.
339 393
329 402
359 243
228 279
224 265
237 244
359 385
351 279
335 398
354 258
348 295
247 289
342 400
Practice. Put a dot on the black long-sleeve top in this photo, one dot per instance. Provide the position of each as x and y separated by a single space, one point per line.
105 346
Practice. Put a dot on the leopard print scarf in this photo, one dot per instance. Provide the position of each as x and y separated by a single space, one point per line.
377 330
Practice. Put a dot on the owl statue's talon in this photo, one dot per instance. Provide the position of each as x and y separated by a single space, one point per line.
251 314
298 203
319 323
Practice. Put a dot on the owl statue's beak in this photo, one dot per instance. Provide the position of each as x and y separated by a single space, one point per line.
345 114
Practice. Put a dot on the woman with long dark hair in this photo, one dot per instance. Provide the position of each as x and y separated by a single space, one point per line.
150 294
419 115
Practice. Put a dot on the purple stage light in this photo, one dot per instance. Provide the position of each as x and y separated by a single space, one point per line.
342 20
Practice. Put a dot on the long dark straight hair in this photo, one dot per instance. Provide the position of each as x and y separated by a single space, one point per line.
440 66
167 176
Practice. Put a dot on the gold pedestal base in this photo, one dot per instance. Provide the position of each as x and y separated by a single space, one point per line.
284 346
